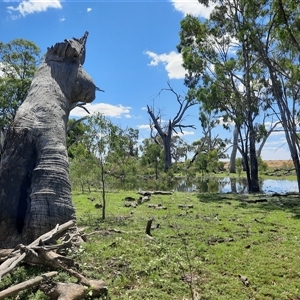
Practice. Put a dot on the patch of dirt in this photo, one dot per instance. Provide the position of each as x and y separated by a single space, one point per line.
274 164
277 164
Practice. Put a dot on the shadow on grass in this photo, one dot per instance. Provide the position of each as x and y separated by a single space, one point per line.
289 203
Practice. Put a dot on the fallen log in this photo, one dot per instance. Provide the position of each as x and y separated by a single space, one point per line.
144 199
13 290
182 206
149 193
73 291
156 206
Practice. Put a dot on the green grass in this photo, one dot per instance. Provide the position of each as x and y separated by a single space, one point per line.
203 249
215 242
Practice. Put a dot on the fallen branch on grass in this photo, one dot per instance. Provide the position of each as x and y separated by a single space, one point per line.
42 253
157 206
13 290
182 206
149 193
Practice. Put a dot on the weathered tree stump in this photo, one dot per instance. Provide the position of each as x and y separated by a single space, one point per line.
35 192
148 227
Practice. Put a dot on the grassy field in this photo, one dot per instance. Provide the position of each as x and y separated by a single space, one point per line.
206 251
222 247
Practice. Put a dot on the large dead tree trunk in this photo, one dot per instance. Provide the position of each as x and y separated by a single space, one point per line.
35 190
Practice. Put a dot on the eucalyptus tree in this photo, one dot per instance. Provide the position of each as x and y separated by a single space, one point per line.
179 149
276 44
18 62
152 156
224 74
166 131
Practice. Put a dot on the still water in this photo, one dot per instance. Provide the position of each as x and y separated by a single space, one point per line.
236 185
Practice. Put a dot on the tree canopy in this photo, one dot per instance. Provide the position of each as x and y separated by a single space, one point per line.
18 62
239 64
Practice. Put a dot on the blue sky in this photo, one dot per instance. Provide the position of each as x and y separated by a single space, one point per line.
131 54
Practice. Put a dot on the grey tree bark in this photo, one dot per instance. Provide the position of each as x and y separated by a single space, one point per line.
35 190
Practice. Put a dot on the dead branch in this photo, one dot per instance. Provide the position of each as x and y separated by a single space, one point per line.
40 253
4 254
109 230
20 252
13 290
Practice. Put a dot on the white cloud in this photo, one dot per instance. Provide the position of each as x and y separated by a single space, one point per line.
35 6
192 7
62 19
106 109
144 126
184 133
88 9
277 133
171 61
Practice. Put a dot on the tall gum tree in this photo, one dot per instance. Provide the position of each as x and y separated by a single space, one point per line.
225 74
276 43
35 192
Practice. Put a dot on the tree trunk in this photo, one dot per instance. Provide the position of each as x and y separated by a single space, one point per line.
34 173
287 120
252 170
167 147
253 161
232 168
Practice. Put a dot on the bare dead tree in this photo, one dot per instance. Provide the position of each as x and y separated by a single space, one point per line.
173 126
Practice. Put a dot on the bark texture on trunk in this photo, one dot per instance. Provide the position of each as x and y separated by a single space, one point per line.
232 168
35 190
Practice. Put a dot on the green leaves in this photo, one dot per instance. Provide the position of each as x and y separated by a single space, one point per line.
18 62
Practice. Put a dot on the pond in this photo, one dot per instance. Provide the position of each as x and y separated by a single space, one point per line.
236 185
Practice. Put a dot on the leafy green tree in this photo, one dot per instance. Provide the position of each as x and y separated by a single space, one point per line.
179 149
209 142
112 151
276 42
224 73
76 136
18 62
152 156
84 168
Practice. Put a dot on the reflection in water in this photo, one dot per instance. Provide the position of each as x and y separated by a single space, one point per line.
235 185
